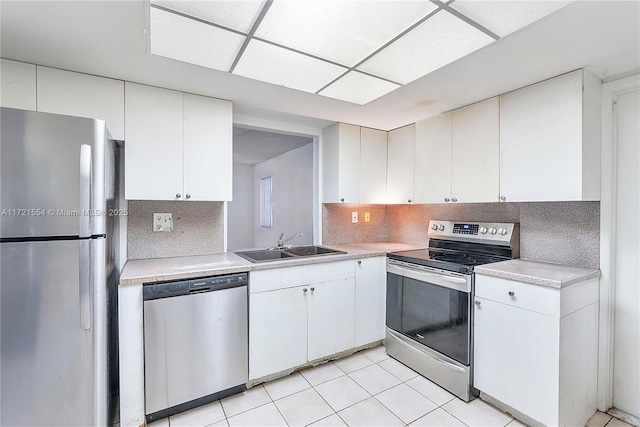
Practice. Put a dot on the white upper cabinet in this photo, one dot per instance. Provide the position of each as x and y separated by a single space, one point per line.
457 155
373 166
354 162
341 163
400 165
208 148
550 140
433 160
178 146
475 152
18 85
82 95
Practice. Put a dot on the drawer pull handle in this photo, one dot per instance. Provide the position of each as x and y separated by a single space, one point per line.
478 303
511 293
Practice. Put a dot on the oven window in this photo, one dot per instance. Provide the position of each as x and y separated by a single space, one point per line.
433 315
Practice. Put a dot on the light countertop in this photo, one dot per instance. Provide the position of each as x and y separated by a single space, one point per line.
137 272
538 273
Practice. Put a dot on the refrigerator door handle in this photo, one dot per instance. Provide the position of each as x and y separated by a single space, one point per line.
84 285
85 191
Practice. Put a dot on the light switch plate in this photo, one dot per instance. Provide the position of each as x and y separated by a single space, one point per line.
162 222
354 217
367 217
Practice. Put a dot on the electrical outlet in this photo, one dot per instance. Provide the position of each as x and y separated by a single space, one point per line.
367 217
162 222
354 217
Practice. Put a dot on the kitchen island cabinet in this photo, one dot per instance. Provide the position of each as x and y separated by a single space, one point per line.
550 140
178 146
535 347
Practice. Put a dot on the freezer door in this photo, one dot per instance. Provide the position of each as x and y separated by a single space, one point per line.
53 175
50 344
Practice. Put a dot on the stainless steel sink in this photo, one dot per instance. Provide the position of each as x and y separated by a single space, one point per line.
266 255
312 250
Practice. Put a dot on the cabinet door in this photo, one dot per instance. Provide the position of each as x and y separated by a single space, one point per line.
82 95
18 85
400 165
373 166
331 320
153 147
349 163
277 331
208 148
370 310
516 356
475 152
541 141
433 160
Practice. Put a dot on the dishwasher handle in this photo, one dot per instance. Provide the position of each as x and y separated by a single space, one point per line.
153 291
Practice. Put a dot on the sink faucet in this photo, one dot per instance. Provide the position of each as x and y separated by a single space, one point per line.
282 242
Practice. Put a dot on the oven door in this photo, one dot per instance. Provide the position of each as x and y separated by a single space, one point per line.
431 306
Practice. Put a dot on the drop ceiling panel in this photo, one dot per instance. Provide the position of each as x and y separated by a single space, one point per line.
272 64
238 15
438 41
190 41
343 31
505 17
358 88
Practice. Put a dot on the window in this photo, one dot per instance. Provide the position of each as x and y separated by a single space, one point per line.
266 202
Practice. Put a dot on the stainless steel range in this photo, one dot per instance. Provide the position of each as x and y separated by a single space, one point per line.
429 294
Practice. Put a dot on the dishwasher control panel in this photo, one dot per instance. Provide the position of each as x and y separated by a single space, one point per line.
185 287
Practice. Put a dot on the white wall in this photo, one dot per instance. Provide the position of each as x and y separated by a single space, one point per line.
292 197
240 210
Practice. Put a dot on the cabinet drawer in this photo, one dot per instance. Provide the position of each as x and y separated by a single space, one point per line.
522 295
280 278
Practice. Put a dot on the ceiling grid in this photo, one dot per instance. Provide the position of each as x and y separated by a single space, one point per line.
351 50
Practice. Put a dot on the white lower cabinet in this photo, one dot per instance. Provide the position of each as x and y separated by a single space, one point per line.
370 299
535 349
304 313
299 314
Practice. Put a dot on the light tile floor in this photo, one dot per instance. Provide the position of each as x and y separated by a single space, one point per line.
365 389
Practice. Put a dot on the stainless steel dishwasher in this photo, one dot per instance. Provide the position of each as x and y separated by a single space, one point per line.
195 342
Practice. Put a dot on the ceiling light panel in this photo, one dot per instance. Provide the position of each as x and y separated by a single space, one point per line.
505 17
438 41
343 31
272 64
358 88
190 41
238 15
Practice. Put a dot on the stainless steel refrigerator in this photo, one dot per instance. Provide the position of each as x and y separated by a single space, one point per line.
59 272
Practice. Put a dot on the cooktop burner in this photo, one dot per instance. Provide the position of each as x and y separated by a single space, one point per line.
457 259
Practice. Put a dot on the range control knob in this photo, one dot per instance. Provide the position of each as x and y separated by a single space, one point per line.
441 227
502 231
492 230
483 230
434 226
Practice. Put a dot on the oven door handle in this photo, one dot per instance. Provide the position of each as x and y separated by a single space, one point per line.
451 282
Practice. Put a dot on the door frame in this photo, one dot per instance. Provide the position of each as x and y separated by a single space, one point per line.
608 210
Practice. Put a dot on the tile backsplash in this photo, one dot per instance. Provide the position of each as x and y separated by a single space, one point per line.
198 229
561 232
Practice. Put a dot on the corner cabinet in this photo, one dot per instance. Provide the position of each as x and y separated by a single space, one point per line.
354 163
457 155
400 166
550 136
178 146
536 349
